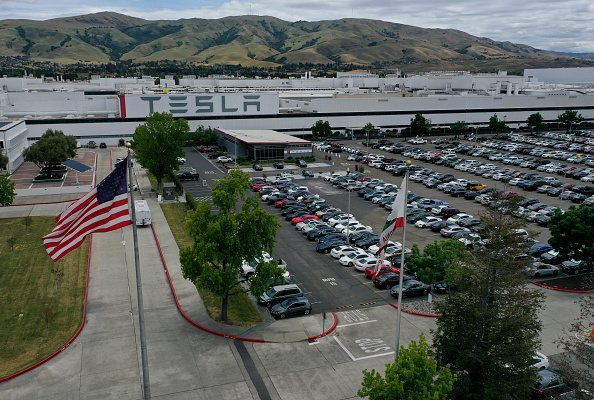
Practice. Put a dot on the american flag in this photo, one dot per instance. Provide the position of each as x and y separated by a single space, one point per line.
103 209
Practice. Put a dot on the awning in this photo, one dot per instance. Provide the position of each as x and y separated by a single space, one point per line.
75 165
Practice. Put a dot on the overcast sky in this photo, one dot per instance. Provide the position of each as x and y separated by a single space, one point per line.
559 25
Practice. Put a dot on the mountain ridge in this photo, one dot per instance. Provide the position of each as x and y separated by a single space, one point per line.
264 41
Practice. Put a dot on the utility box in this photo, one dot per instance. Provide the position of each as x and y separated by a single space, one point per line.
169 191
143 212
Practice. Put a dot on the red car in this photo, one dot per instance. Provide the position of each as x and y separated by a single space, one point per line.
302 218
384 269
508 194
259 186
279 203
363 179
207 150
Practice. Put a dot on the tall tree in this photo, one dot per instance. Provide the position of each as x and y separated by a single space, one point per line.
490 329
413 376
570 118
420 125
435 259
495 124
224 239
51 150
573 233
7 190
203 136
577 359
458 128
159 142
3 161
321 129
535 121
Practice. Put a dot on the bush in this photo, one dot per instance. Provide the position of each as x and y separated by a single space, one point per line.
191 202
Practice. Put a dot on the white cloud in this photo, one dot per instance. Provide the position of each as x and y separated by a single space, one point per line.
561 25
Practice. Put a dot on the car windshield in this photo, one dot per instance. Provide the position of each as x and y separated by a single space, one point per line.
287 303
271 292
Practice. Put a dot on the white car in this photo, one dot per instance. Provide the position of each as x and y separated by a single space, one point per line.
311 225
181 160
437 210
365 262
391 247
224 159
351 224
249 267
355 229
540 361
341 251
349 260
340 219
455 219
425 222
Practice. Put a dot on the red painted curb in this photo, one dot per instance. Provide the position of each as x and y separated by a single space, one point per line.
416 313
328 331
561 290
73 337
182 311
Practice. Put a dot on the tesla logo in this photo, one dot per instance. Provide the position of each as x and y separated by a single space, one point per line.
186 105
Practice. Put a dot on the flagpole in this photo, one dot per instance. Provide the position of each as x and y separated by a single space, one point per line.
143 350
401 275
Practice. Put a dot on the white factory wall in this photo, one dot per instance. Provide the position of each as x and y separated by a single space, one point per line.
14 141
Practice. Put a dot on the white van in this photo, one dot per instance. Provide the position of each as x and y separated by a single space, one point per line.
143 212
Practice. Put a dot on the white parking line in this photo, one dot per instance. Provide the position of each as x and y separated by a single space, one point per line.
356 323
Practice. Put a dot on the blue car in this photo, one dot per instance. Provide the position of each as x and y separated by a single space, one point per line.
537 249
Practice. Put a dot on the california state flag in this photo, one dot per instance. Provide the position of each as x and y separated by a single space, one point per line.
395 220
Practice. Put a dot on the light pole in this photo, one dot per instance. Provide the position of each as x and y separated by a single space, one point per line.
349 219
401 274
143 348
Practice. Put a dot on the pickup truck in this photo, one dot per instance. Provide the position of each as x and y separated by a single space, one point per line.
188 176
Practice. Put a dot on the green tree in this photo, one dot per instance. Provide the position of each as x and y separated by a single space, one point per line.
321 129
490 328
435 259
573 232
7 190
204 136
413 376
159 142
420 125
458 128
224 239
496 125
3 161
51 150
570 118
535 121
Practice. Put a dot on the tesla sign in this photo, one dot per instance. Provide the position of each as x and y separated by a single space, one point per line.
199 105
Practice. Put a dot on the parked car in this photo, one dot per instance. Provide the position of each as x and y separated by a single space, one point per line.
257 167
411 288
102 145
574 267
370 271
550 384
278 165
388 280
290 307
326 247
448 231
537 249
301 163
307 172
224 159
278 294
538 269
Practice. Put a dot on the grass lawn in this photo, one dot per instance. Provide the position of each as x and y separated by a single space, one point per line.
241 310
27 287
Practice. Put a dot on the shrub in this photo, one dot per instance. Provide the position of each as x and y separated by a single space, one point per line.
191 202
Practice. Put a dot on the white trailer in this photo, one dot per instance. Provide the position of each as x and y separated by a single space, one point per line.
143 212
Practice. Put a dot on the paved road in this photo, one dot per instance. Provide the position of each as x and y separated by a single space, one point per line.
187 363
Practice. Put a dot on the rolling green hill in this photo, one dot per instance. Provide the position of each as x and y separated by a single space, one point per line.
264 41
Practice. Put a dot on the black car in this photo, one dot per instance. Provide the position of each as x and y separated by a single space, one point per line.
367 241
102 145
292 306
278 165
293 209
360 235
411 288
411 219
439 225
301 163
307 172
443 287
188 176
574 267
388 280
554 257
325 247
316 233
332 236
257 167
550 384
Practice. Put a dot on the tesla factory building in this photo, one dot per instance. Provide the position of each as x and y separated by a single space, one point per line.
263 144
